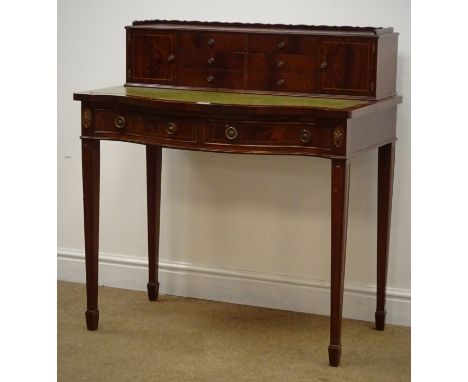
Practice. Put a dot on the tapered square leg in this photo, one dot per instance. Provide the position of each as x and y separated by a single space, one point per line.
90 165
153 191
384 209
339 222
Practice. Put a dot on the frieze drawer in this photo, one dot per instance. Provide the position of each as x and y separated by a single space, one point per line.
149 125
250 133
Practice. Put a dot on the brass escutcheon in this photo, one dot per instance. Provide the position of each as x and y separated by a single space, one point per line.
119 122
171 128
304 136
231 132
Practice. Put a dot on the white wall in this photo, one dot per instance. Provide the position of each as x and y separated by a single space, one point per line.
223 215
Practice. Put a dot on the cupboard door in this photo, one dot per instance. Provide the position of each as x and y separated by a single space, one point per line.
347 66
152 58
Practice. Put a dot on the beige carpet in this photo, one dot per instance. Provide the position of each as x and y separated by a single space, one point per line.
183 339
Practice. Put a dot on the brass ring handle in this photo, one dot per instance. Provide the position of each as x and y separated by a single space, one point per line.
171 128
171 58
210 78
323 65
280 64
211 60
304 136
211 41
280 82
119 122
282 44
231 132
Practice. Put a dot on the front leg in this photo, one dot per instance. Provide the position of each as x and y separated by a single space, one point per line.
153 186
90 163
339 221
384 209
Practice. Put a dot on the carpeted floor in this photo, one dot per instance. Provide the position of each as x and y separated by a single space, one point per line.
183 339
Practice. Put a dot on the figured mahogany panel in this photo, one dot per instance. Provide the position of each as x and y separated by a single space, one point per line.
152 57
215 78
347 66
216 60
212 41
252 133
289 82
282 63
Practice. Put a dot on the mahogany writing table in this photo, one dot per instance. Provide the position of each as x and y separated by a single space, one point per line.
221 119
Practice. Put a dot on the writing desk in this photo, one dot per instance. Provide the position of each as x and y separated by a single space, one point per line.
221 120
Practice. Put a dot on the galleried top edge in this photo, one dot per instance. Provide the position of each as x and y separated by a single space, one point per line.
177 24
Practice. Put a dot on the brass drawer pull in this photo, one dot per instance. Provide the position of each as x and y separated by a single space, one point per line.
280 82
171 128
210 78
119 122
211 41
171 58
231 132
211 60
280 64
304 136
323 65
282 44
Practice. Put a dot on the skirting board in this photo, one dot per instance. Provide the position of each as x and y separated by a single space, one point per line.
238 287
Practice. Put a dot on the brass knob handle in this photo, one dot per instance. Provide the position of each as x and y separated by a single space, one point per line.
210 78
304 136
171 128
282 44
280 64
211 60
280 82
171 58
211 41
323 65
119 122
231 132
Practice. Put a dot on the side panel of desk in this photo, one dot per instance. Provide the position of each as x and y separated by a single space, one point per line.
371 131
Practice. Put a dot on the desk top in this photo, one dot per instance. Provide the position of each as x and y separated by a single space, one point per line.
226 98
198 100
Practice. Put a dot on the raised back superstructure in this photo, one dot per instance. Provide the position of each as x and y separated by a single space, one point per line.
335 61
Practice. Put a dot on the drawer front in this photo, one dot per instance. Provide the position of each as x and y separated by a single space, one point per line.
282 82
156 126
276 43
279 134
218 42
216 60
215 78
281 63
152 57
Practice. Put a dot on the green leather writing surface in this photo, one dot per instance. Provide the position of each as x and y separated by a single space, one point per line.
227 98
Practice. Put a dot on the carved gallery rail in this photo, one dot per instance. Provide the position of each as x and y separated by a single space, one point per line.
255 89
